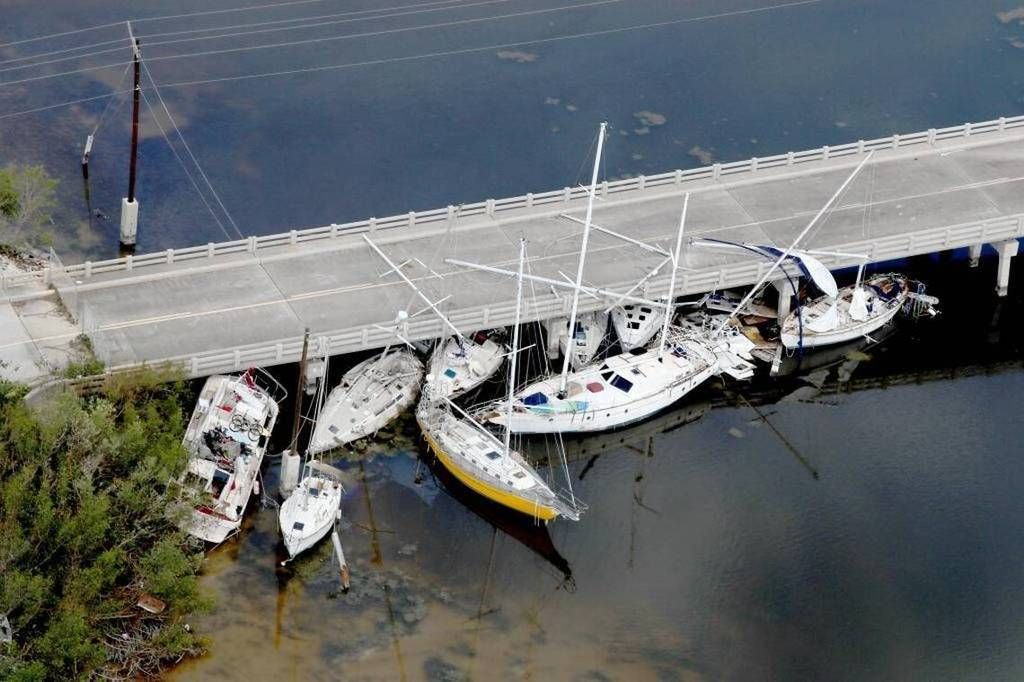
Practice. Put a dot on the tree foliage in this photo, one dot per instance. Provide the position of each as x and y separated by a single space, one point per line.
84 531
27 195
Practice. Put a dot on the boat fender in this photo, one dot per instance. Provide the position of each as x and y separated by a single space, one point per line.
256 488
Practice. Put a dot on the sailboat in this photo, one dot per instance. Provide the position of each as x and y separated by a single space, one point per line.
590 330
226 439
368 398
458 365
311 510
856 311
484 464
636 324
621 389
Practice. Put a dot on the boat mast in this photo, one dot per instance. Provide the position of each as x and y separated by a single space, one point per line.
669 308
786 254
515 347
583 258
419 293
293 443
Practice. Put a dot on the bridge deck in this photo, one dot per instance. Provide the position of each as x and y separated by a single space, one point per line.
229 306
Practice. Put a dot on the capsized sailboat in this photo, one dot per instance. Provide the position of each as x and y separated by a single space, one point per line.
857 311
225 440
458 365
370 396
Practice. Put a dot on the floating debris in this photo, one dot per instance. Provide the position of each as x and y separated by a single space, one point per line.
650 118
518 56
151 604
701 154
736 433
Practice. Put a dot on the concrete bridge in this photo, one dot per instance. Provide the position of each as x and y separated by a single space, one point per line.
226 306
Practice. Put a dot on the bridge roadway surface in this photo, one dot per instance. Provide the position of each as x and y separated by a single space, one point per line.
924 193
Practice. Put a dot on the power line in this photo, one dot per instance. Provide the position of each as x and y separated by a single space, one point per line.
64 51
181 162
308 41
109 102
500 46
61 34
324 23
188 149
353 65
63 104
351 18
455 4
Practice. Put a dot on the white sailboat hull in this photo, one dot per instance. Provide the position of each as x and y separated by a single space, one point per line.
636 325
596 401
369 397
459 368
590 331
846 328
308 514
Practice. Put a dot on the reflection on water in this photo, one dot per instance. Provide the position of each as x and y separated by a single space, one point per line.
708 551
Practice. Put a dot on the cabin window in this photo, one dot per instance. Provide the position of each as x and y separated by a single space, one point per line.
332 428
606 373
519 474
220 479
493 455
646 310
298 525
315 492
633 325
637 351
535 399
621 383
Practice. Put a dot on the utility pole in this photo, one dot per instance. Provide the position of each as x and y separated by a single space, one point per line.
129 206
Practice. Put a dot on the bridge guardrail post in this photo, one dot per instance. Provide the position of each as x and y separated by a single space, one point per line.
129 262
896 141
334 230
789 158
931 136
826 152
251 244
529 200
210 249
293 237
679 176
968 129
716 171
170 255
1002 123
88 268
412 218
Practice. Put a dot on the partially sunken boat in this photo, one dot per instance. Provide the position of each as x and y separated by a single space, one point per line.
225 440
856 312
458 365
590 330
369 397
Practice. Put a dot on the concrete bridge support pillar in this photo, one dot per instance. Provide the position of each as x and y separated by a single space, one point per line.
975 254
1006 250
785 298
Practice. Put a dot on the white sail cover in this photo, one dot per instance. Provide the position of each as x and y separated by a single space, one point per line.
859 304
825 322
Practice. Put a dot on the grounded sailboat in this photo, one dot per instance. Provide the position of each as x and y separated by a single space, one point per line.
311 510
226 439
479 460
370 396
459 365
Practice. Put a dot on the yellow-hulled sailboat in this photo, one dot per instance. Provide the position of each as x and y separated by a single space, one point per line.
479 460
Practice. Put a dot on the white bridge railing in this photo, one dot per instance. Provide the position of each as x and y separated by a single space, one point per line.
494 207
544 307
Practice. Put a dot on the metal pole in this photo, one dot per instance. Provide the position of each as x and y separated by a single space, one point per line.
135 121
583 258
515 346
669 309
298 392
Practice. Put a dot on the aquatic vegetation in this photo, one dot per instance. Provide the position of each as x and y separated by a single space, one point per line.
94 577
